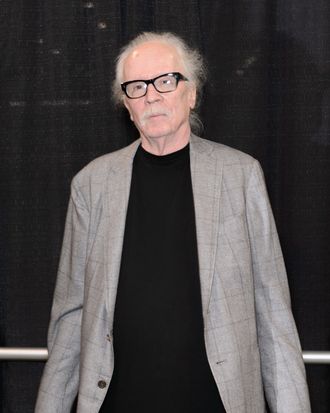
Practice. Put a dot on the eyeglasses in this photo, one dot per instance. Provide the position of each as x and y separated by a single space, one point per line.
168 82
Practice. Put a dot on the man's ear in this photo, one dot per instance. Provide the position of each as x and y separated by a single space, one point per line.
192 97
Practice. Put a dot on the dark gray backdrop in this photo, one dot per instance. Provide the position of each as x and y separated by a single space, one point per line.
267 94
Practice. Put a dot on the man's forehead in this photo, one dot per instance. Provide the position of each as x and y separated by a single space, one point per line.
153 47
152 59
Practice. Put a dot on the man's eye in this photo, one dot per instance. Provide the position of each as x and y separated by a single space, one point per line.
138 87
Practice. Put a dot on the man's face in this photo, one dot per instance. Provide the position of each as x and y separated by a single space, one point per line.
158 114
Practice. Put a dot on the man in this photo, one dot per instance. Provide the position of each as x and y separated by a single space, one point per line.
171 293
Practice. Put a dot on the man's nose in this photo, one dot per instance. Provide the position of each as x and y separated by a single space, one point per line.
152 94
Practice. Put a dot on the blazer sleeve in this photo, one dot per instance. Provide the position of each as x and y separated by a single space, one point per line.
282 366
59 384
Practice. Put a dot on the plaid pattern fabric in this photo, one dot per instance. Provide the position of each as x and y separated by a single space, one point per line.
250 335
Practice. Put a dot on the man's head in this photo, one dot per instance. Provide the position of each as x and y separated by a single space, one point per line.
168 103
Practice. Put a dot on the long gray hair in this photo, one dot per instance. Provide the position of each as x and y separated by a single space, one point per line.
192 62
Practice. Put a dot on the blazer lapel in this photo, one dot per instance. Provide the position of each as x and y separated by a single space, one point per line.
206 174
116 203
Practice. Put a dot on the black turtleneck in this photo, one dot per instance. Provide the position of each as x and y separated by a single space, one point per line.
160 358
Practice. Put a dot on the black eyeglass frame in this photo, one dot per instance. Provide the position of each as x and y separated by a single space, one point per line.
177 75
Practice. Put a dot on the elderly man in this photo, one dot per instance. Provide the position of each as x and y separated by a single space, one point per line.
171 294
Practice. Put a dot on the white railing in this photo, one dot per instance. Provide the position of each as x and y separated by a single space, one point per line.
316 357
23 353
40 354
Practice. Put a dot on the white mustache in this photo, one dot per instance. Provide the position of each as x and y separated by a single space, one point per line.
152 112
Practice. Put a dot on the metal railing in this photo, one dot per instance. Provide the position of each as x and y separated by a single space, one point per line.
316 357
23 353
41 354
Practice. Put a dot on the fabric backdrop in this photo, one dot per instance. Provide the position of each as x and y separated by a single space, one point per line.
267 94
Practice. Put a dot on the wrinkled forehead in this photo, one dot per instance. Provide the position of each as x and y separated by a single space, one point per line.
151 59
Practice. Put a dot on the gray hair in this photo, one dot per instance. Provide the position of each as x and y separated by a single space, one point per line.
191 59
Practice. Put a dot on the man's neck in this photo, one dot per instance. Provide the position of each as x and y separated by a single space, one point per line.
165 144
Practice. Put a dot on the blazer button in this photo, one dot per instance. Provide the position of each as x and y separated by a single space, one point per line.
102 384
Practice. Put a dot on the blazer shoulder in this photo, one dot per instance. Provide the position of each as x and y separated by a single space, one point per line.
90 184
97 170
238 168
226 154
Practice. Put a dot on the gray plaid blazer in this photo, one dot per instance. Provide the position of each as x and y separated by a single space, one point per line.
250 335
